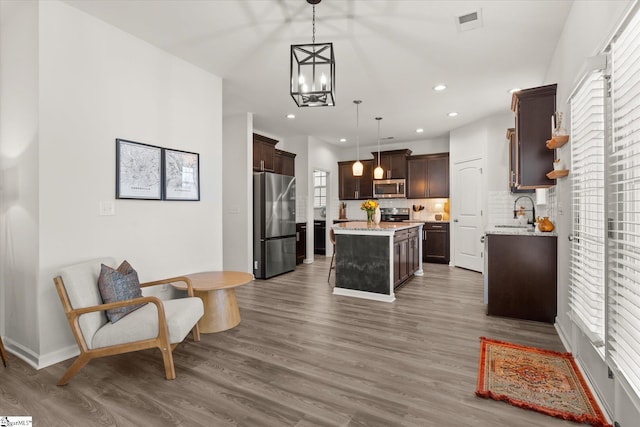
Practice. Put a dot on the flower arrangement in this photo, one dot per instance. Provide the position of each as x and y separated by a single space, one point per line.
369 206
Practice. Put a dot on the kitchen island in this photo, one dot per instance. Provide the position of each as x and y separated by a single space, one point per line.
374 260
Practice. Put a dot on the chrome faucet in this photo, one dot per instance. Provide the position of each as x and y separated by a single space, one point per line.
532 210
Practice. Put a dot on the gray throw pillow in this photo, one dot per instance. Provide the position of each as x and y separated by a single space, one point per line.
119 285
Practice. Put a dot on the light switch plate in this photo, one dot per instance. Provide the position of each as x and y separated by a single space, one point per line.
107 208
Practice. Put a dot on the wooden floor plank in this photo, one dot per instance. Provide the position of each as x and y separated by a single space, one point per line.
302 357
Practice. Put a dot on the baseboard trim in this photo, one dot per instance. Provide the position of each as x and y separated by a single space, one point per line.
39 361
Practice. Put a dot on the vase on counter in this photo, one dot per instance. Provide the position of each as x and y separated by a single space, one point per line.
369 217
545 225
377 216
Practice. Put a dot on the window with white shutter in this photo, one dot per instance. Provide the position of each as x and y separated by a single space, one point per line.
623 305
587 255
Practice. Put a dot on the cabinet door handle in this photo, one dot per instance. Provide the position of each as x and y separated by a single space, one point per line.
436 226
261 165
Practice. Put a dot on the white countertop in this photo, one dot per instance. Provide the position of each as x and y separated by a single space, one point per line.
382 227
528 231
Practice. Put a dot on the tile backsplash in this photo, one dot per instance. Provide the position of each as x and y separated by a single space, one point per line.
500 206
431 208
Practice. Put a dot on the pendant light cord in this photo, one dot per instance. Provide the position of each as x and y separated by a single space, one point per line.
313 38
358 131
378 119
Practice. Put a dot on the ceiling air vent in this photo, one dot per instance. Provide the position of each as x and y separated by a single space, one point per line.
469 21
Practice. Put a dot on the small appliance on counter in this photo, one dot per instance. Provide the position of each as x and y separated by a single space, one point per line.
394 214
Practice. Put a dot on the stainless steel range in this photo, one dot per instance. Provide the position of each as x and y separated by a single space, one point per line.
394 214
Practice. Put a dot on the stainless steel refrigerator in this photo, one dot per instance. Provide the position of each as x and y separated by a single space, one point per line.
274 224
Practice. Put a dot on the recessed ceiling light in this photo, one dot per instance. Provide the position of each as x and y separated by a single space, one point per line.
515 89
291 116
452 114
419 130
439 87
343 139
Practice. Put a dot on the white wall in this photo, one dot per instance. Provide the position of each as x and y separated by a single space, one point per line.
97 83
421 146
588 29
19 182
237 184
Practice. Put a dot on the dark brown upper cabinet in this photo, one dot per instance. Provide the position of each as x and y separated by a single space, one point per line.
264 152
428 176
285 163
355 187
393 163
533 109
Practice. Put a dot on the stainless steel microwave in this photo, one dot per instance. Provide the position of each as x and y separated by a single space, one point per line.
389 188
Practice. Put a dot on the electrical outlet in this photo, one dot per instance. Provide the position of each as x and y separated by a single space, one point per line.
107 208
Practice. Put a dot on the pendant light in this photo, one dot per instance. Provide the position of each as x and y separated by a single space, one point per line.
378 173
357 166
313 71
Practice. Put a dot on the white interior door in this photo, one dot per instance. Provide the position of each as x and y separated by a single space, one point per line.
467 215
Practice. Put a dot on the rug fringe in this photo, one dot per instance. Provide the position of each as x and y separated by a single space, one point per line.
585 419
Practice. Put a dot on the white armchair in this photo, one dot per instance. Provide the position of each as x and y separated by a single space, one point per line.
159 323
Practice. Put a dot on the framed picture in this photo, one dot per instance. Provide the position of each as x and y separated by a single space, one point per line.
138 171
181 175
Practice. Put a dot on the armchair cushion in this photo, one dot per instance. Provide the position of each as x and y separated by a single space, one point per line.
119 285
142 324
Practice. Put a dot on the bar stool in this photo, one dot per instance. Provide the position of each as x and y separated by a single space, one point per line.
3 353
332 239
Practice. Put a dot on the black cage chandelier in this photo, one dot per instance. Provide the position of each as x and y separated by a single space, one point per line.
313 71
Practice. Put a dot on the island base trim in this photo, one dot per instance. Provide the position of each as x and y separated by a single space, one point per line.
364 295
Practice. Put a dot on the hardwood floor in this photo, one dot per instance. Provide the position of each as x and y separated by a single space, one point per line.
301 357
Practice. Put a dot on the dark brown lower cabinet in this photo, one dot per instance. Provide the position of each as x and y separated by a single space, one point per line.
521 276
435 242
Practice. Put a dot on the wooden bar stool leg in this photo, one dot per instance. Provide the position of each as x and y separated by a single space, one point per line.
3 353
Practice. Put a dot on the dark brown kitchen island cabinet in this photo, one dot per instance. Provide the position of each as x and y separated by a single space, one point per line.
533 108
521 276
428 176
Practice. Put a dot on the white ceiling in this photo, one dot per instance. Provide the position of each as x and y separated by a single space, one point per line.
389 54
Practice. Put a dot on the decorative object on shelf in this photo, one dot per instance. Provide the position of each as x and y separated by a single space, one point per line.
357 166
377 215
342 211
417 208
313 71
378 173
556 125
559 136
544 224
438 216
370 207
558 173
558 165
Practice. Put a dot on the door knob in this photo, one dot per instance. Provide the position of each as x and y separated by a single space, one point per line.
455 220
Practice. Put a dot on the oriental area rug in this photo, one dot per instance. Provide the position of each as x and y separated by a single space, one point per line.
542 380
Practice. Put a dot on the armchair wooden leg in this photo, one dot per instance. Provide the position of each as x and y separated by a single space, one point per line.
169 369
3 353
78 364
196 333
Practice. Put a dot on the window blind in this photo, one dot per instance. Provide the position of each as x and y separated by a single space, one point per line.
587 253
623 321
